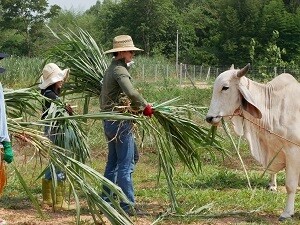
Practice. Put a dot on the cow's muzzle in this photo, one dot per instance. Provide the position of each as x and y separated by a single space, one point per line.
209 119
213 120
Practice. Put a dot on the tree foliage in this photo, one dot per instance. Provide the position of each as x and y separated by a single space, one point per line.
22 22
218 32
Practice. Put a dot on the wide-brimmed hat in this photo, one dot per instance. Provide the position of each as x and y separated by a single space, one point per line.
123 43
2 56
52 74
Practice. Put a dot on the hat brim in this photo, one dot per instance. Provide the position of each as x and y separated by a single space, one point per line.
123 49
54 79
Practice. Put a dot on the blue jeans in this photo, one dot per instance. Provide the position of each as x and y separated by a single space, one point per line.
120 159
59 175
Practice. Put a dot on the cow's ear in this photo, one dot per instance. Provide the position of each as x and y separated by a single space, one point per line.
248 103
232 67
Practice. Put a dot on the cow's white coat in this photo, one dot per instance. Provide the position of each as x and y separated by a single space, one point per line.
268 116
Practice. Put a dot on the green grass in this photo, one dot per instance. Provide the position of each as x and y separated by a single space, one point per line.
225 188
21 72
221 182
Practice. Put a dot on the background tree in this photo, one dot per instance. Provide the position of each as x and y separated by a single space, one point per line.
69 20
292 5
152 24
204 20
215 32
106 13
22 22
275 17
238 23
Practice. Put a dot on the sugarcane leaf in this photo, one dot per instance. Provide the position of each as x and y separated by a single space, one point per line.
84 57
29 194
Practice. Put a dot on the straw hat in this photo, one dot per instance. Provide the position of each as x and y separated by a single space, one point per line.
52 74
123 43
2 56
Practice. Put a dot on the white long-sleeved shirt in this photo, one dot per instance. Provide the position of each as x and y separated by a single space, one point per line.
3 122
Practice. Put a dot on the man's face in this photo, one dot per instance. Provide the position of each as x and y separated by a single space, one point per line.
127 55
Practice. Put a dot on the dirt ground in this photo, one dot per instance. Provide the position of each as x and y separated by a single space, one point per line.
27 215
30 217
21 212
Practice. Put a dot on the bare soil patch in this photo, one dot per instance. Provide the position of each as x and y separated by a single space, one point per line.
29 216
24 214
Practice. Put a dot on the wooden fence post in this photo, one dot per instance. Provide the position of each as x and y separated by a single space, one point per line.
208 74
143 72
155 72
180 74
194 74
167 71
185 71
201 71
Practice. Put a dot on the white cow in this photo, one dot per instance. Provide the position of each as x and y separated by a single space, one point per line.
268 116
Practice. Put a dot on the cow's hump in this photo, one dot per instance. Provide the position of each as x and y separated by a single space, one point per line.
282 80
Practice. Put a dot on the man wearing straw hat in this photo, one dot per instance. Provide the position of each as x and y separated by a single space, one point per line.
119 134
7 155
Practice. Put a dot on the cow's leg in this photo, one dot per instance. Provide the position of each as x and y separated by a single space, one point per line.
291 184
273 182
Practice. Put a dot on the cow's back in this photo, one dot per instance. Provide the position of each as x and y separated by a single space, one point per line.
284 106
282 81
280 109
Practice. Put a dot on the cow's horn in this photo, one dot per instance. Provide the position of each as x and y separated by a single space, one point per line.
243 71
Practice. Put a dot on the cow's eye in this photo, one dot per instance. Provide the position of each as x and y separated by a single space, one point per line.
224 88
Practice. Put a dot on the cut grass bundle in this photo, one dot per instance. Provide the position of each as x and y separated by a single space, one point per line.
86 61
175 134
81 178
67 133
68 152
172 128
22 102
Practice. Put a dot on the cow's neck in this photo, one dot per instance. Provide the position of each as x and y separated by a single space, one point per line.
256 131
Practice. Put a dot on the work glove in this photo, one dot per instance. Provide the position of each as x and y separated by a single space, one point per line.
148 110
8 155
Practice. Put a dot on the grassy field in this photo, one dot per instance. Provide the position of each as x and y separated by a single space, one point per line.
219 194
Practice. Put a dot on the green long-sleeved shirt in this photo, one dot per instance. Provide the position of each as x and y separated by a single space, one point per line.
117 80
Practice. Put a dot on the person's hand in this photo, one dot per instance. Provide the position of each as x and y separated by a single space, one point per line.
8 155
148 110
69 109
